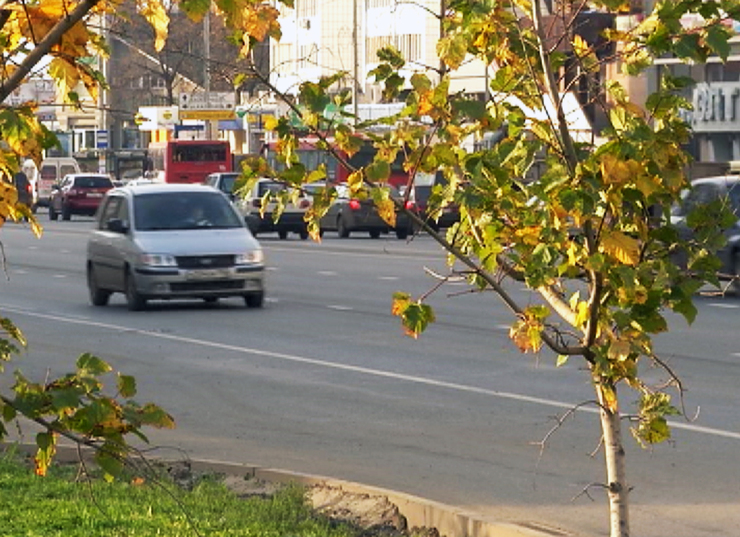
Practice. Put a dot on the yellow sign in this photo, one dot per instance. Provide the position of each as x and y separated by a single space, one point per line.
207 114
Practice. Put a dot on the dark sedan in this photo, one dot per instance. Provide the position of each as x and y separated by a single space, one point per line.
349 214
702 192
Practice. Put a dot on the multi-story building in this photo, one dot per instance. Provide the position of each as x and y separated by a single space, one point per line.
324 37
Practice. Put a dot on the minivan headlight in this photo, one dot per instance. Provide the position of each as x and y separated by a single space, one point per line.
249 258
158 260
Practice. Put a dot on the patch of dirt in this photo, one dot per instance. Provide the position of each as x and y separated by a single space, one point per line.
375 515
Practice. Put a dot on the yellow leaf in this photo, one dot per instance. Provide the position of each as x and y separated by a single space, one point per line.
387 211
261 21
154 12
526 334
580 47
620 246
65 73
615 171
355 182
619 349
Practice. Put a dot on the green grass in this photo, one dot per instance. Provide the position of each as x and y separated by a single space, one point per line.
58 505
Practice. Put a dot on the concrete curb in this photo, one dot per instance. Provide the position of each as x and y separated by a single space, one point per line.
448 520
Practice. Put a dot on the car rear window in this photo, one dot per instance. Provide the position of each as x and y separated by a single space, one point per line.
91 181
227 183
735 198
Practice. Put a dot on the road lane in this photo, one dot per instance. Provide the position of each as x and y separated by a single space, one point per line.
342 392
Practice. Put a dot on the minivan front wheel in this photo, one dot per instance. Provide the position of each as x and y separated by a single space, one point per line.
135 301
254 300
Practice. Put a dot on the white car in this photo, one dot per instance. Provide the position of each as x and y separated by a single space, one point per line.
169 242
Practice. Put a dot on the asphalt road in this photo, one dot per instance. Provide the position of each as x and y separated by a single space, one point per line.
322 380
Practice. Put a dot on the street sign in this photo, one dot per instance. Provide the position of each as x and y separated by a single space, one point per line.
101 139
207 114
213 100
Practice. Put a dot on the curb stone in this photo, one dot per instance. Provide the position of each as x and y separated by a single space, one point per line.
449 521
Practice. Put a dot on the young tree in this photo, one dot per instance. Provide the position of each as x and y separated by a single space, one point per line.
591 237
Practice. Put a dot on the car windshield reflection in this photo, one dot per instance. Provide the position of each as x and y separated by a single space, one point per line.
190 210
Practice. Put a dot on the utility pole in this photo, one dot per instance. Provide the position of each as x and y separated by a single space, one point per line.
442 12
355 63
207 66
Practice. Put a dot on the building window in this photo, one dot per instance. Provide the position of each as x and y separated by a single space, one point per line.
306 8
409 45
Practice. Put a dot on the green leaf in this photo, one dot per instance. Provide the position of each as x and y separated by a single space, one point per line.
474 110
153 415
126 386
110 463
87 364
379 171
66 398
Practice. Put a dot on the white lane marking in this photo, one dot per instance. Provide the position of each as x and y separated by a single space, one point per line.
339 308
389 278
506 327
20 271
355 369
60 275
272 300
736 354
723 305
33 247
65 251
271 268
327 273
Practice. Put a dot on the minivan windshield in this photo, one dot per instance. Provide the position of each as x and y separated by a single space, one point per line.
159 211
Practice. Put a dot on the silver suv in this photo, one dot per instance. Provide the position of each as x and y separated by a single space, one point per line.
170 242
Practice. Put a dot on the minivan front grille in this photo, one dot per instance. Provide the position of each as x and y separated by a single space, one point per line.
208 285
205 261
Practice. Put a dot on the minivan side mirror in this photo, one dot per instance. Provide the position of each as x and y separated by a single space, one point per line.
116 225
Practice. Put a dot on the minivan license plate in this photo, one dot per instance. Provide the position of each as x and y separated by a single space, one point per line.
207 274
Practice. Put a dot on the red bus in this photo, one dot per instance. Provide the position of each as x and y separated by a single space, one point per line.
187 161
311 157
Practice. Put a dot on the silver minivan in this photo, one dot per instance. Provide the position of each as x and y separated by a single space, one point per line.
164 241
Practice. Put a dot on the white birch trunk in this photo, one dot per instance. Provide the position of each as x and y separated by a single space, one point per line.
616 480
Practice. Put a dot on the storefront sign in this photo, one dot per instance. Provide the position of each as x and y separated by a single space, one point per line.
716 107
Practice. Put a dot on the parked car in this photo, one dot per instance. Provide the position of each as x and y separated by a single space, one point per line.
169 242
290 221
348 214
223 181
25 190
78 193
419 196
705 191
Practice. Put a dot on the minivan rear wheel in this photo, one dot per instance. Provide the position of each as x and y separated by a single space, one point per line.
98 296
52 213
